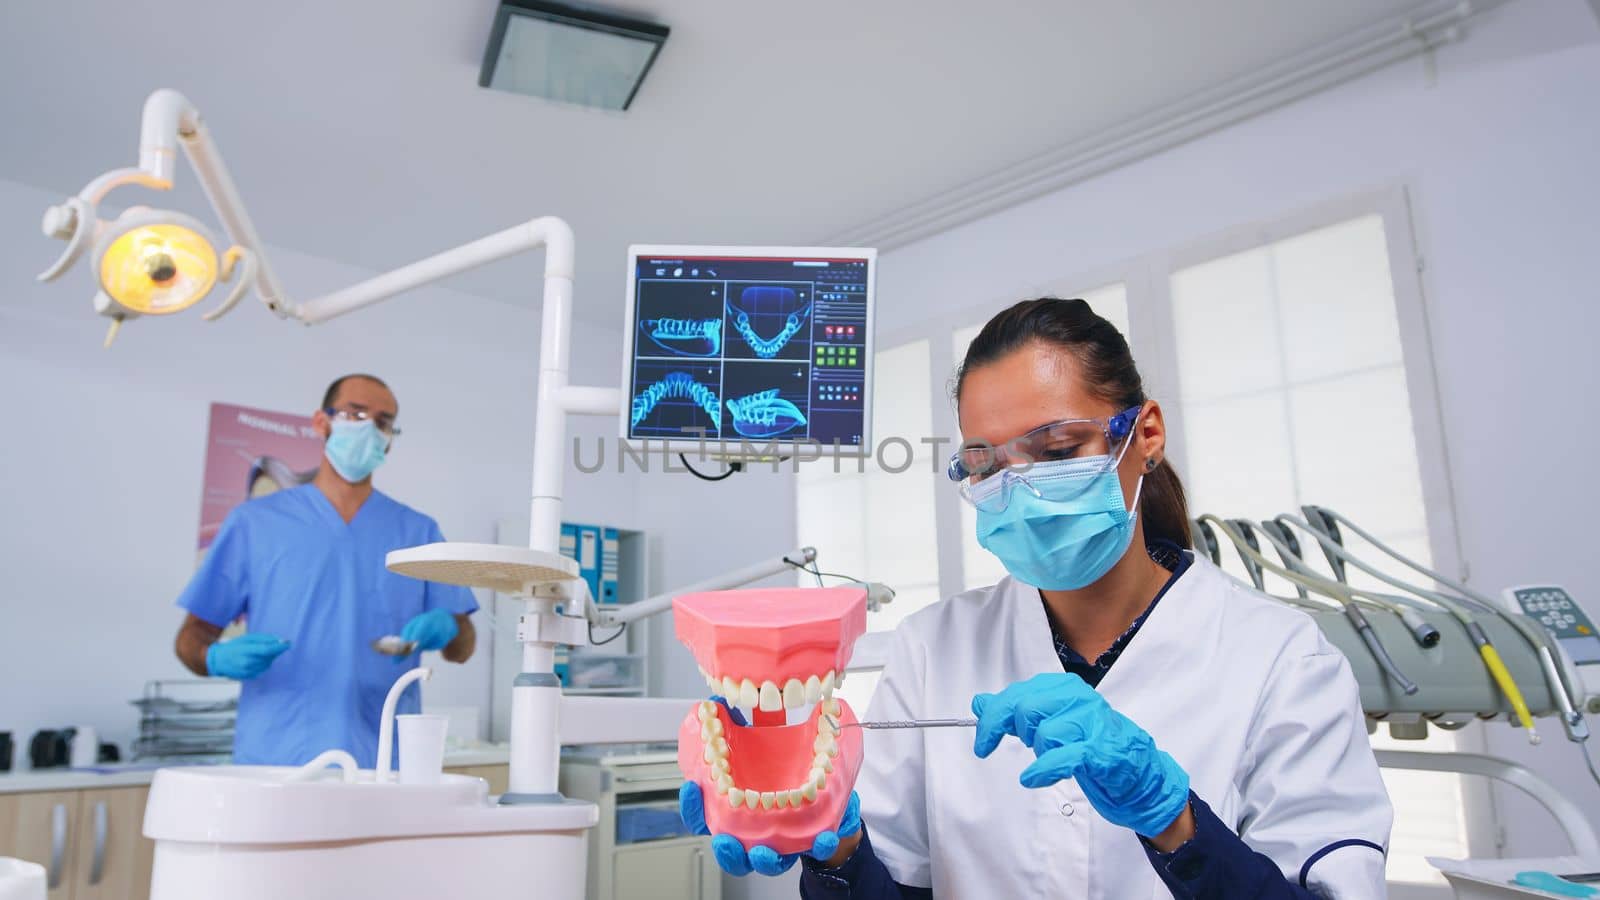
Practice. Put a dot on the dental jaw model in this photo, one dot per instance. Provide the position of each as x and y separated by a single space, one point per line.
778 653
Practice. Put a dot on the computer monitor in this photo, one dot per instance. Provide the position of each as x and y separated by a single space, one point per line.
750 347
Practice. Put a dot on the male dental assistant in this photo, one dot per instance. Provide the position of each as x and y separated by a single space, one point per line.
305 566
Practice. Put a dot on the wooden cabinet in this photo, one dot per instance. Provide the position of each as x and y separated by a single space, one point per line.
90 841
38 828
111 856
498 776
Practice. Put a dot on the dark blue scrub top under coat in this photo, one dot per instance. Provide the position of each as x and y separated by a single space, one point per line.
296 570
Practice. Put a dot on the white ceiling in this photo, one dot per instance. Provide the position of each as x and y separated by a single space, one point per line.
356 129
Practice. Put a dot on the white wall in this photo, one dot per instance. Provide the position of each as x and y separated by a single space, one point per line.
1499 153
101 462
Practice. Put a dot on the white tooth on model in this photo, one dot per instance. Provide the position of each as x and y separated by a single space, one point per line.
809 791
768 799
735 797
716 726
840 680
749 696
771 699
831 707
723 783
782 799
730 691
813 689
721 764
827 684
795 798
752 799
794 694
823 761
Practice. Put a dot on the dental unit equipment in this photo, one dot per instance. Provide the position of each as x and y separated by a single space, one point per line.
386 722
1564 684
153 263
1340 593
1443 697
1525 674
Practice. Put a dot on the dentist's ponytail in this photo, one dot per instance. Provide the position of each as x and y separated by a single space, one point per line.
1107 366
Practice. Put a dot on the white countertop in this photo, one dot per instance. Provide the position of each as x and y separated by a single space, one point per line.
136 774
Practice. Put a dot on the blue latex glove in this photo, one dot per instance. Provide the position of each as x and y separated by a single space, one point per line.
730 853
431 630
1074 733
243 657
733 858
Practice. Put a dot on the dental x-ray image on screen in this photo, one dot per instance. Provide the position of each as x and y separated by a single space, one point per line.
749 346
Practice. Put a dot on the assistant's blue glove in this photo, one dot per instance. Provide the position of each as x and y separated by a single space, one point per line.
432 630
730 853
245 656
1074 733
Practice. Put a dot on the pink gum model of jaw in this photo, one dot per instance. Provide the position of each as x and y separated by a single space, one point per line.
766 761
777 635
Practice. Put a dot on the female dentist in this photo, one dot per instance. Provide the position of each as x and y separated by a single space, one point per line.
1158 728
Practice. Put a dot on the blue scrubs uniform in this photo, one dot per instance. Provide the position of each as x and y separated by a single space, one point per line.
297 571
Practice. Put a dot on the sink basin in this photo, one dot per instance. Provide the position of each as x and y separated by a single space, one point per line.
251 833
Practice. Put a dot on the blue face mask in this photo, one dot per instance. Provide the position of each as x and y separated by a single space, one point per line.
355 449
1071 535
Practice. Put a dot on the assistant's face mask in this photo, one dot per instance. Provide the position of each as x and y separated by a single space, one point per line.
355 449
1070 533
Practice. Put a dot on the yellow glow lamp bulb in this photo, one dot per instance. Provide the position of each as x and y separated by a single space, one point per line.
158 268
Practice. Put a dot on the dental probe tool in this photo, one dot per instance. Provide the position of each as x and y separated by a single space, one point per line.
906 723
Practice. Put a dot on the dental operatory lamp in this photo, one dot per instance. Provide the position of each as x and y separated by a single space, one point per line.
148 262
151 262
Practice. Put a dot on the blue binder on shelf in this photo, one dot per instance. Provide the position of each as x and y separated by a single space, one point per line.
594 548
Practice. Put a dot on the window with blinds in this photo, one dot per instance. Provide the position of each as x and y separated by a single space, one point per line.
1293 390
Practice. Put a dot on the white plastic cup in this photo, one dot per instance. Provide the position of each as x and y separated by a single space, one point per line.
421 747
85 749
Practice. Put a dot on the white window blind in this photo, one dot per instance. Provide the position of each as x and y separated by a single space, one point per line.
1293 390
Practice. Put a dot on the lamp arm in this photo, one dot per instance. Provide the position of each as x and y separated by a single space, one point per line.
622 615
237 258
224 197
550 232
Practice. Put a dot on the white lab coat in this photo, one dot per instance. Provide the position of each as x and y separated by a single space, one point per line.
1245 693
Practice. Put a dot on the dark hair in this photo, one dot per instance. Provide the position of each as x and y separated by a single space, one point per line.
332 393
1108 370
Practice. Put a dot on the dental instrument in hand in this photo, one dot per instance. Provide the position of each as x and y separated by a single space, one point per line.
394 645
905 723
